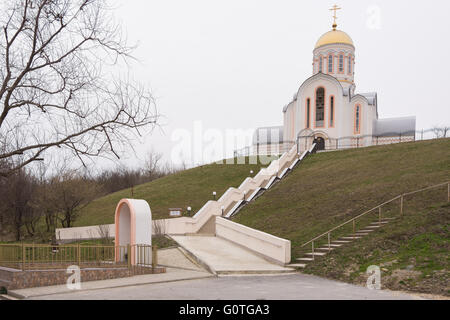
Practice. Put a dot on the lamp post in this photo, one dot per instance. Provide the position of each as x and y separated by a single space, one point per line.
214 195
222 208
189 211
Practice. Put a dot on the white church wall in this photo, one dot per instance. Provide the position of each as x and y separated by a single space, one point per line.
332 88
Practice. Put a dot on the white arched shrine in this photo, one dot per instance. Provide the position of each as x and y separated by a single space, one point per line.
133 220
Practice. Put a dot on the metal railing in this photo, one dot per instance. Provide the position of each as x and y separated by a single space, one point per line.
43 256
377 209
304 140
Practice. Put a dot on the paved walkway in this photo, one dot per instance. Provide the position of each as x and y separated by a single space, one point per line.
283 287
224 257
172 274
174 257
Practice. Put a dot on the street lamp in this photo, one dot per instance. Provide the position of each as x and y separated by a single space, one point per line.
214 195
189 210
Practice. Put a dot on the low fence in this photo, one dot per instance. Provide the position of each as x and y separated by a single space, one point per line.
303 141
377 211
41 256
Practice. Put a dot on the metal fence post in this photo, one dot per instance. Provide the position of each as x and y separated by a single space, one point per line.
23 257
379 215
79 254
154 256
354 228
129 256
448 192
401 205
329 243
312 248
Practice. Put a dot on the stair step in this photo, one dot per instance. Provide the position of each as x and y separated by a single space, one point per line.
390 219
316 253
350 238
378 223
341 241
364 231
296 265
373 227
325 249
336 245
359 234
304 259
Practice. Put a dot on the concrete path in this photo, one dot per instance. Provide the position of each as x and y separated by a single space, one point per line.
172 274
174 257
224 257
283 287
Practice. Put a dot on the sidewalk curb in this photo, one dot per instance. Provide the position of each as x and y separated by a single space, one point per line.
19 296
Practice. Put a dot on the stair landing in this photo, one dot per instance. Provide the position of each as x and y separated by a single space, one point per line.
225 257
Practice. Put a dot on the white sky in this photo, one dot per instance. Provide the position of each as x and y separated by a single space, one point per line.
235 64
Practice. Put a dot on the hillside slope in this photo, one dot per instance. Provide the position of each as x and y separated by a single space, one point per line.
191 187
329 188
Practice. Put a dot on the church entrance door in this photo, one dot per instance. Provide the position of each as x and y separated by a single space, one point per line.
320 143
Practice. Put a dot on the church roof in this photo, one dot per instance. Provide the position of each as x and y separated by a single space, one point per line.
394 126
371 97
332 37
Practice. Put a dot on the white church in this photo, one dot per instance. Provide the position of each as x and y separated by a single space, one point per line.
327 109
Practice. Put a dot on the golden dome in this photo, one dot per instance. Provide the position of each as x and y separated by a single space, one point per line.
334 36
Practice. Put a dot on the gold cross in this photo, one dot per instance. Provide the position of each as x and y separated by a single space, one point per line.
335 8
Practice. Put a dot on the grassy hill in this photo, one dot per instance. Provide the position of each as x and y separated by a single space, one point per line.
191 187
329 188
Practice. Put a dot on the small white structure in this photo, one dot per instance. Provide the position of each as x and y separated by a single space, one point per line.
133 221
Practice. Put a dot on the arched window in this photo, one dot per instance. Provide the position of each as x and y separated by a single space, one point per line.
341 63
331 125
330 63
308 113
349 64
320 107
357 119
320 64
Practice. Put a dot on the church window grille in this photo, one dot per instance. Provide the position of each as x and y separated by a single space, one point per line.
330 63
341 63
331 111
350 65
358 119
320 64
320 107
308 113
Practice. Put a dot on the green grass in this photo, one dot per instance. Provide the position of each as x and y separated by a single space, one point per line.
329 188
192 188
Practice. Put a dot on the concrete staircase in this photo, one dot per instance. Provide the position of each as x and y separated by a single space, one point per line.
310 257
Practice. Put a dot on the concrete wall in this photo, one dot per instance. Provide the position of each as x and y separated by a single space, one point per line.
275 249
83 233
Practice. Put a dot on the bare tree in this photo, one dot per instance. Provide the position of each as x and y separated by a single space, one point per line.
16 196
57 83
71 194
103 232
159 228
440 132
151 165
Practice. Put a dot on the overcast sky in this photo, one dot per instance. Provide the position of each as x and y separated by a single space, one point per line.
235 64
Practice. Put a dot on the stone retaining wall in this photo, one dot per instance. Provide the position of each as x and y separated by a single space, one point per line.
13 279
